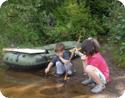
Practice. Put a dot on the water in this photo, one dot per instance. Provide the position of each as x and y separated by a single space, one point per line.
15 84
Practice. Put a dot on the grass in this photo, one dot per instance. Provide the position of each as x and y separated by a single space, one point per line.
118 58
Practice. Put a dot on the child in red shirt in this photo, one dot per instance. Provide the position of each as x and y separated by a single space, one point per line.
94 65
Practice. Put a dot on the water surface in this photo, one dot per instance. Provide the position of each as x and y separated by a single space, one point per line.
17 84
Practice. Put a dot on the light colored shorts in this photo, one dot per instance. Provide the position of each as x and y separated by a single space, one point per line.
100 75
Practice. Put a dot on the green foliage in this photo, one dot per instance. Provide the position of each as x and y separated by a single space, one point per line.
99 8
117 22
31 23
118 56
37 22
72 20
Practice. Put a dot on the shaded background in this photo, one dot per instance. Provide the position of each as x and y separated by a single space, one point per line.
33 23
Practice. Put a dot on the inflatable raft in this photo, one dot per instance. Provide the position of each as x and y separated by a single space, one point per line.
37 58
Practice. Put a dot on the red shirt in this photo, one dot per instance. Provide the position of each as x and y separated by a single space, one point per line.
99 62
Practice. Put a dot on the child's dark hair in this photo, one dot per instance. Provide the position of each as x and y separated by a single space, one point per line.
59 47
90 46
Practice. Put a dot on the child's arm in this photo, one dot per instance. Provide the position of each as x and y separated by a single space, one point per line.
48 67
64 57
83 58
64 60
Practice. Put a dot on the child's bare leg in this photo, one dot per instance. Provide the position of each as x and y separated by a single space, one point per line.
96 76
91 71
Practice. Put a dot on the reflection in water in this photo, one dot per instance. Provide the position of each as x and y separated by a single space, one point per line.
36 85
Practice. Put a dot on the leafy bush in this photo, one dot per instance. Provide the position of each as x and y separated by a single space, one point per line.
116 23
38 22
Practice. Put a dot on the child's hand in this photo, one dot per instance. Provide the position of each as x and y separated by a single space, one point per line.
83 57
76 50
59 54
46 70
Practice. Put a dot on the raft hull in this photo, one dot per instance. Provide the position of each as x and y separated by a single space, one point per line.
27 68
31 61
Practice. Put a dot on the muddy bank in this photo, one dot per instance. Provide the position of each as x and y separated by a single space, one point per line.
36 85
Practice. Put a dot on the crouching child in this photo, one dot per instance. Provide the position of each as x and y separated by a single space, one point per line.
61 61
94 65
